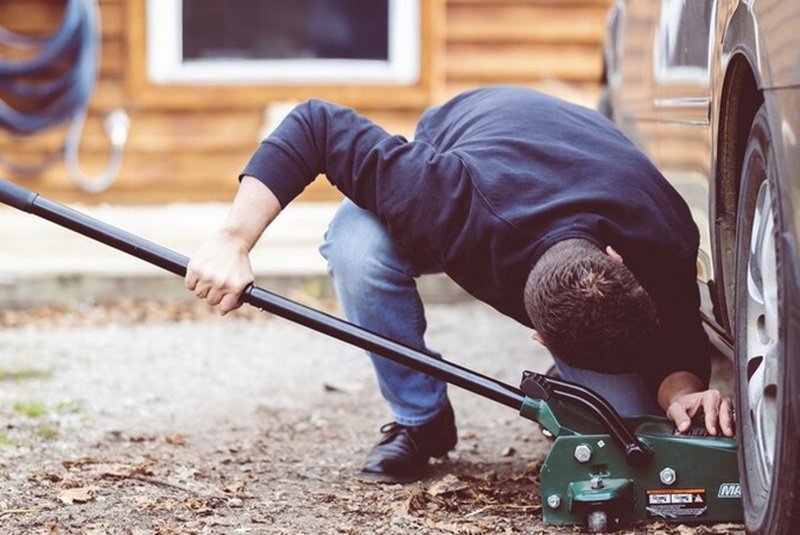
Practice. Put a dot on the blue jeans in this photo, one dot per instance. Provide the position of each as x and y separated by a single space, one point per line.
375 281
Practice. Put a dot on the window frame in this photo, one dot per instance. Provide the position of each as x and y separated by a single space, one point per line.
188 93
165 62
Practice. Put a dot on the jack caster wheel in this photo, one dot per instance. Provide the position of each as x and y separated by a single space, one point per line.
597 521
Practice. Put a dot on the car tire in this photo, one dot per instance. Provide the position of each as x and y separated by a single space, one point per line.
768 402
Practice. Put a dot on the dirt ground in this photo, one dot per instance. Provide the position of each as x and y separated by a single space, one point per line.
146 418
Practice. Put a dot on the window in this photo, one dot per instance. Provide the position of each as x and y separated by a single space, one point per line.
683 53
283 42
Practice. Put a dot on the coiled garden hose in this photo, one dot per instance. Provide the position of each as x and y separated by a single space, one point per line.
64 94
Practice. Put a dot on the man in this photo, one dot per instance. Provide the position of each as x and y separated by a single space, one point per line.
538 207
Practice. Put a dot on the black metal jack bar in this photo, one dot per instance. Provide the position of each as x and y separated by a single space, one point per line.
28 201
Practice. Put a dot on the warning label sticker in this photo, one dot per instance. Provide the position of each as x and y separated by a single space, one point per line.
676 503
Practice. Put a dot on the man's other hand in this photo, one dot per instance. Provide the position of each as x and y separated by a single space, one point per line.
715 409
683 396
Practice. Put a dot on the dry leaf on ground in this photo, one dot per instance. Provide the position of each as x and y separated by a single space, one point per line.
78 495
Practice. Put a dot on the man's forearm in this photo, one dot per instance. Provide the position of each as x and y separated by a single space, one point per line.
676 384
252 210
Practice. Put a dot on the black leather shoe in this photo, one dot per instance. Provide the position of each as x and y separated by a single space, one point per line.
402 454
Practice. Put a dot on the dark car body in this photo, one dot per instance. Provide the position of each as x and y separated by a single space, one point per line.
710 90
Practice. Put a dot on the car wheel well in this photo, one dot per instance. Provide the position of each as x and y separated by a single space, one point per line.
740 100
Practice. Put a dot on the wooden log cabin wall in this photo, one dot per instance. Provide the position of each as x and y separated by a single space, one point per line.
187 143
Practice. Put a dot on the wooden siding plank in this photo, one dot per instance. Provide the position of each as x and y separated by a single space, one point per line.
519 63
112 59
528 22
154 134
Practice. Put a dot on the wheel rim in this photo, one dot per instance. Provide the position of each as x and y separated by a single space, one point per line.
761 342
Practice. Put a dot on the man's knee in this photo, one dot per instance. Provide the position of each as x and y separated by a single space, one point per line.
357 249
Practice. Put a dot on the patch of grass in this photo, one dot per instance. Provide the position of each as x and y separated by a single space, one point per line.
5 441
48 432
22 374
32 409
314 288
71 407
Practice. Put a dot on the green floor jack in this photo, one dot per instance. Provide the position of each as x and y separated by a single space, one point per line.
603 471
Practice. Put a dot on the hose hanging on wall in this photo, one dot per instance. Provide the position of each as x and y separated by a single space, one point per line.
53 87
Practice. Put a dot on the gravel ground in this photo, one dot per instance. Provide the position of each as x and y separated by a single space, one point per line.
144 419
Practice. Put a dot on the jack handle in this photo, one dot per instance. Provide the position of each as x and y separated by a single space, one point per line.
30 202
539 386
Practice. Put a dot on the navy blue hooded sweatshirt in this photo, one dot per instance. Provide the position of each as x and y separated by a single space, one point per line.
491 180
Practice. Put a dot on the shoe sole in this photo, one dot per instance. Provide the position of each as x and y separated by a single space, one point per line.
373 477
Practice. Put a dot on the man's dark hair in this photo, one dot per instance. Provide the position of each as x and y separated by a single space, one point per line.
589 309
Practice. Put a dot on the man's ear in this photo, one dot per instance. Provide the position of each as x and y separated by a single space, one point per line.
615 256
538 337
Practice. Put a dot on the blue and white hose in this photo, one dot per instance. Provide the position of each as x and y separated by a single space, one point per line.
65 92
